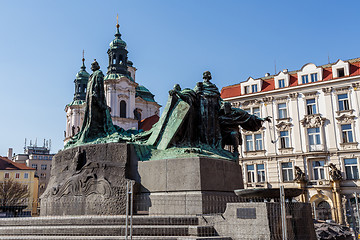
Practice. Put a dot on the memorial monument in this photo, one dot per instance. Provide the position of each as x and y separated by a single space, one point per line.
182 158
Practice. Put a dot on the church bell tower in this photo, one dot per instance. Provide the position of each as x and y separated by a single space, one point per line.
118 59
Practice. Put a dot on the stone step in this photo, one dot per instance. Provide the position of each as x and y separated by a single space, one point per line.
98 220
52 237
108 230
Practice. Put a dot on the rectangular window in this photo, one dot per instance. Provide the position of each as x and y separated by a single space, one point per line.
351 168
34 166
246 89
313 77
318 170
249 143
311 106
281 83
17 175
343 101
287 171
254 88
347 134
284 139
250 173
341 72
34 157
260 172
314 139
26 175
40 157
248 110
258 142
282 110
304 79
7 175
256 111
43 166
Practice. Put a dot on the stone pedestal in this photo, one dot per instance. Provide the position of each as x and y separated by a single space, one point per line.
196 185
88 180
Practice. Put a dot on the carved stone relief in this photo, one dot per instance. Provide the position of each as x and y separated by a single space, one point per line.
345 118
312 121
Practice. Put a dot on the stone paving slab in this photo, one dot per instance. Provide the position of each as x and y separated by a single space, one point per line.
98 220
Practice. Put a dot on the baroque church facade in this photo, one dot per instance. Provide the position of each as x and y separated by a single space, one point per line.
131 104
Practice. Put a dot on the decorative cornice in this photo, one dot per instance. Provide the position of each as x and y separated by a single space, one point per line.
251 102
282 99
246 132
356 86
311 121
283 126
342 89
123 96
327 90
345 118
268 100
293 96
310 94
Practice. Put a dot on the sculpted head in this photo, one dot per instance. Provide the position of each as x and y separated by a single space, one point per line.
95 66
207 76
177 87
227 107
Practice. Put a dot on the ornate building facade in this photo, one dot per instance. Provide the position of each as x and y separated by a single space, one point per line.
130 104
313 141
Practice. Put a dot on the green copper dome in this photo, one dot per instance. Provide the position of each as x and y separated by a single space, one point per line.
82 73
117 42
144 93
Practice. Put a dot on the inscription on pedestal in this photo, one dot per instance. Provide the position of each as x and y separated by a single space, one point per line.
246 213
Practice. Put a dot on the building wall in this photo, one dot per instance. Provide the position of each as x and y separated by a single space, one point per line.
326 126
31 182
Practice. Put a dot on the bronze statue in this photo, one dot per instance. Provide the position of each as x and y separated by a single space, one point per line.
231 118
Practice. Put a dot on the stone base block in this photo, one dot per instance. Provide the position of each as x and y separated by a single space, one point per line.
88 180
182 203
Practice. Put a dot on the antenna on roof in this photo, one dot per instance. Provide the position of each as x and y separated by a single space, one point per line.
44 143
49 144
275 65
328 58
35 142
25 144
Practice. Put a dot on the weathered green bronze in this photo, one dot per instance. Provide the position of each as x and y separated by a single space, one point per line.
97 126
194 122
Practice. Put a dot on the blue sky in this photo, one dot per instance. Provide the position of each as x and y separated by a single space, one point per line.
169 42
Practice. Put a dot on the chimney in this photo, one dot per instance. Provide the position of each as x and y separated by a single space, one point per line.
10 153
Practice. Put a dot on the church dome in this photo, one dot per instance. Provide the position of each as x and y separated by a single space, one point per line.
82 74
144 93
117 42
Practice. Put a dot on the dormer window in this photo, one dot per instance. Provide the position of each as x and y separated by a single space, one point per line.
341 72
281 83
254 88
282 79
246 89
314 77
251 86
310 73
340 69
304 79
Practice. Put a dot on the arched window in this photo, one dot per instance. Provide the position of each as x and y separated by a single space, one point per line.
323 211
123 109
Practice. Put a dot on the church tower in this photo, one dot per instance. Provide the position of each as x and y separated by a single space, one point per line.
76 109
131 105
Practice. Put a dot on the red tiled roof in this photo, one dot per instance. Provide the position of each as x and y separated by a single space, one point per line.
6 164
231 91
147 123
269 84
